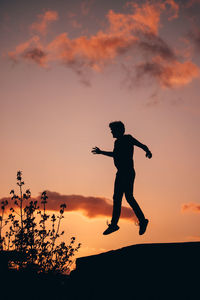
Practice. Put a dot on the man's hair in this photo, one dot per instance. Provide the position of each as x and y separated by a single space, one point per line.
118 126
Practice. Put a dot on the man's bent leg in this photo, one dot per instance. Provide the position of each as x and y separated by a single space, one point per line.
129 196
135 206
139 214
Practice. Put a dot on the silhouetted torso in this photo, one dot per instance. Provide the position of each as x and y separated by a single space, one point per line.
123 153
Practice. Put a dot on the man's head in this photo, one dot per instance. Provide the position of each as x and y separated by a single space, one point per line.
117 128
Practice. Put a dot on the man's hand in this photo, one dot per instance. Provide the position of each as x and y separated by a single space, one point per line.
96 150
149 154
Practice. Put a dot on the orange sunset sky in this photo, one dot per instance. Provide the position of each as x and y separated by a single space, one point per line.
68 68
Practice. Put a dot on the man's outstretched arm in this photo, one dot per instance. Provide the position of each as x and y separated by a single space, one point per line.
96 150
143 147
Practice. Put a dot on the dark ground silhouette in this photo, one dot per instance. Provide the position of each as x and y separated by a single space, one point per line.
144 271
123 159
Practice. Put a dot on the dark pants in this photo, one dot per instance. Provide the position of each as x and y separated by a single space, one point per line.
124 185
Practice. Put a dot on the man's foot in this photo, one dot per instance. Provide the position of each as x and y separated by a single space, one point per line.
143 226
111 228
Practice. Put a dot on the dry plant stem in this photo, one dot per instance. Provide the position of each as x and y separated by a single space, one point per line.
21 214
1 225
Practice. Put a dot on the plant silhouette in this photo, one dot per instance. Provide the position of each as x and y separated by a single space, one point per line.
123 160
36 241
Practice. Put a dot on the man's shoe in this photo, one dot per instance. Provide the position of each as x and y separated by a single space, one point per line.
143 226
111 228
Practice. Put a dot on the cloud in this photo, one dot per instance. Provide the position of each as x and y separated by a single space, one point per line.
151 44
125 34
86 6
146 17
43 21
168 74
193 207
91 207
36 55
194 37
190 3
91 52
192 238
174 9
143 18
75 24
31 50
104 46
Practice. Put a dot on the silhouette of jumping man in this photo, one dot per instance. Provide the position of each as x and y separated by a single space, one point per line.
125 176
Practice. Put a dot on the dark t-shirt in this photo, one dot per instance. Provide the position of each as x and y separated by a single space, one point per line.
123 152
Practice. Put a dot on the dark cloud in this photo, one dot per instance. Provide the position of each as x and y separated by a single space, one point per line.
36 55
191 3
86 6
194 37
152 44
135 75
152 69
91 207
169 74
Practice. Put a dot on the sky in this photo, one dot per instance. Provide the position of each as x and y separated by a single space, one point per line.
70 68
